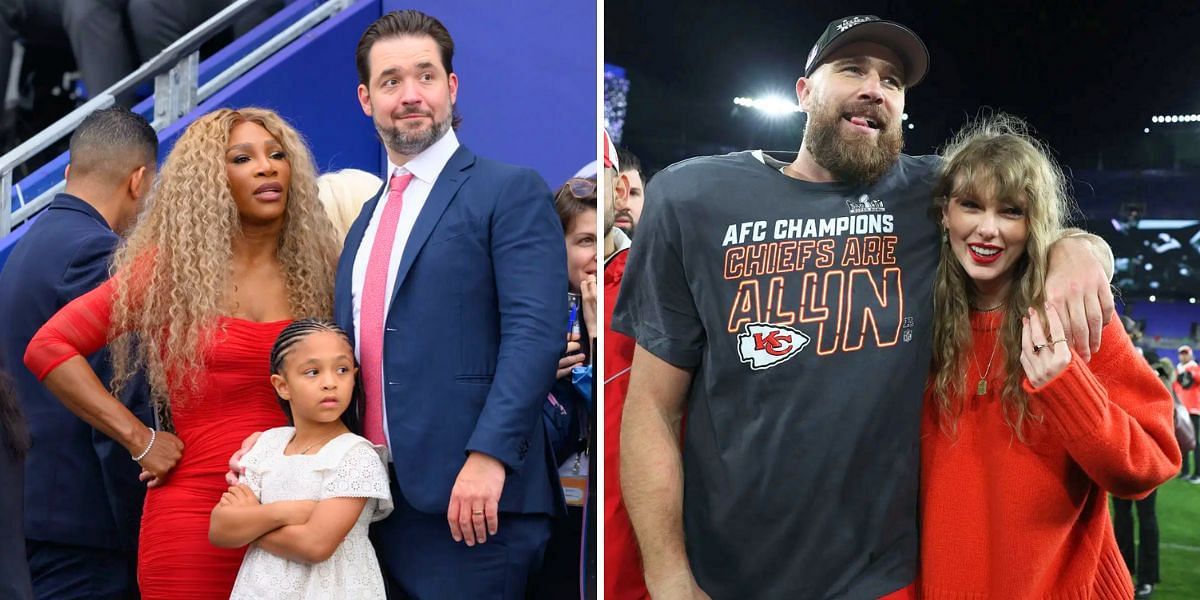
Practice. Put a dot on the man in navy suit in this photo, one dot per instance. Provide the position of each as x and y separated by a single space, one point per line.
453 284
83 499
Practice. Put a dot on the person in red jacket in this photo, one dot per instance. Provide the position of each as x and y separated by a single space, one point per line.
1021 438
1187 388
623 578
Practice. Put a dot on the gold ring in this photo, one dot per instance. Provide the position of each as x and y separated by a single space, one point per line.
477 512
1064 340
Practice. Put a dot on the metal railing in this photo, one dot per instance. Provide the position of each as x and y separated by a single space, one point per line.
176 72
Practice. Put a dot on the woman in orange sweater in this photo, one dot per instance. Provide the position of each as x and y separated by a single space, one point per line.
1022 439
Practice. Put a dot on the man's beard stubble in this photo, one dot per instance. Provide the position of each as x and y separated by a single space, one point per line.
858 160
411 144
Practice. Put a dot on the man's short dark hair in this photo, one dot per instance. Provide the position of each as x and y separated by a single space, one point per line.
400 23
111 143
628 161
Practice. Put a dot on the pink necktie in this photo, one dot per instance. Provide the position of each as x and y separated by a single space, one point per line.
374 295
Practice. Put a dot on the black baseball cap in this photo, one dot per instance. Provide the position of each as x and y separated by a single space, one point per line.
869 28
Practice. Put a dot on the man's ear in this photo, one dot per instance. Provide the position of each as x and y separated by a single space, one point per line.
364 100
804 90
136 180
621 189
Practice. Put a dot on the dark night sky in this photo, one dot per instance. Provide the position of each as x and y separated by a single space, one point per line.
1088 80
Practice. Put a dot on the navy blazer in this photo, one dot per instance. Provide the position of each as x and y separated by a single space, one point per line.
81 487
473 334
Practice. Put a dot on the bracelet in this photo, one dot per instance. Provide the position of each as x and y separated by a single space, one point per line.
153 434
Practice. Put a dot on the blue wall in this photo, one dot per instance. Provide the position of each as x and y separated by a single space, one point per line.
311 83
527 79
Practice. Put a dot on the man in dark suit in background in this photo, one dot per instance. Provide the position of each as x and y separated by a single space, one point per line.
83 499
453 283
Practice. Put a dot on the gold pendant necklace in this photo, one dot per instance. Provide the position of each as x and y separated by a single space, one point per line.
981 387
310 446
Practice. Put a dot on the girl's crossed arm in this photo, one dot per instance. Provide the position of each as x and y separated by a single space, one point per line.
316 539
239 518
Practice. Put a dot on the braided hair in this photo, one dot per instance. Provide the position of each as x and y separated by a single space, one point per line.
288 338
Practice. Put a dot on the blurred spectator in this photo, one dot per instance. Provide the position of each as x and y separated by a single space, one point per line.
1142 559
623 579
83 500
14 441
568 411
343 194
1187 388
629 208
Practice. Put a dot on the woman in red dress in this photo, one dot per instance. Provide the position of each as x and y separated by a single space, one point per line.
234 245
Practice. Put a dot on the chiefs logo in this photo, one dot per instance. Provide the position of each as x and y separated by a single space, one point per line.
763 345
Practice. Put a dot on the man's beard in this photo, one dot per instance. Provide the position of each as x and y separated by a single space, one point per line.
413 143
628 229
855 159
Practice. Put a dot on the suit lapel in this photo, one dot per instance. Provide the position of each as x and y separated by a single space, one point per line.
343 298
452 177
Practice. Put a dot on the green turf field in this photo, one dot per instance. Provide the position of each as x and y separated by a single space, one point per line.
1178 509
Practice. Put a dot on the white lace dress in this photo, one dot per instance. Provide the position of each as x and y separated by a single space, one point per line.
347 466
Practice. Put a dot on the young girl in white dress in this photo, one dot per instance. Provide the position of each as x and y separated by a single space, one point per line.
308 493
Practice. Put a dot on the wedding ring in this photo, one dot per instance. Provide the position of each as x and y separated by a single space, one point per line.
1064 340
477 512
1038 347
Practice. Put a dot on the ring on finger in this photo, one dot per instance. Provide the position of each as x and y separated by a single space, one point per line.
1039 347
1064 340
477 512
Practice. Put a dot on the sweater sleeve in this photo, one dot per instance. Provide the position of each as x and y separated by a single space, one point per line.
79 328
1114 416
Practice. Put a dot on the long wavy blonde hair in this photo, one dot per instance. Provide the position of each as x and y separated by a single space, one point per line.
994 155
173 273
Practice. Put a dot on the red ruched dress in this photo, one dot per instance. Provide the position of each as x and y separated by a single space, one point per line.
234 399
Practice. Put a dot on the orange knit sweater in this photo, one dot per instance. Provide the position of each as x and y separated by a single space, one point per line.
1006 519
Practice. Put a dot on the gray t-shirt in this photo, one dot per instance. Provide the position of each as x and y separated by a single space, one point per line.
805 311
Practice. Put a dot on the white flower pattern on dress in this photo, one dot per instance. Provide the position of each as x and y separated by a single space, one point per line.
347 466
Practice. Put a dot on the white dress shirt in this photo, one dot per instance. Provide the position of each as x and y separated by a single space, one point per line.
425 169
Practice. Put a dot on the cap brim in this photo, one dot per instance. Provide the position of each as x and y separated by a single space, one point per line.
900 39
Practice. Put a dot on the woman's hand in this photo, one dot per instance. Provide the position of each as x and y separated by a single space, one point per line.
587 292
162 457
573 357
1043 359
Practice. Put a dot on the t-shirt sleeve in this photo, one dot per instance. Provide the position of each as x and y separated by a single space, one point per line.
656 306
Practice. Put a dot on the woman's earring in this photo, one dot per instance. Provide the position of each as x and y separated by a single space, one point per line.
945 237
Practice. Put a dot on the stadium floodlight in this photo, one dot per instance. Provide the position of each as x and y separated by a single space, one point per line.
1188 118
1153 298
774 106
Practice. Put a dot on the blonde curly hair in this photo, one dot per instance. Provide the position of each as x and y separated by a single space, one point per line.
173 273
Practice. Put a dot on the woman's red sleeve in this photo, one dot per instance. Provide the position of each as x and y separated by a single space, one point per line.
79 328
